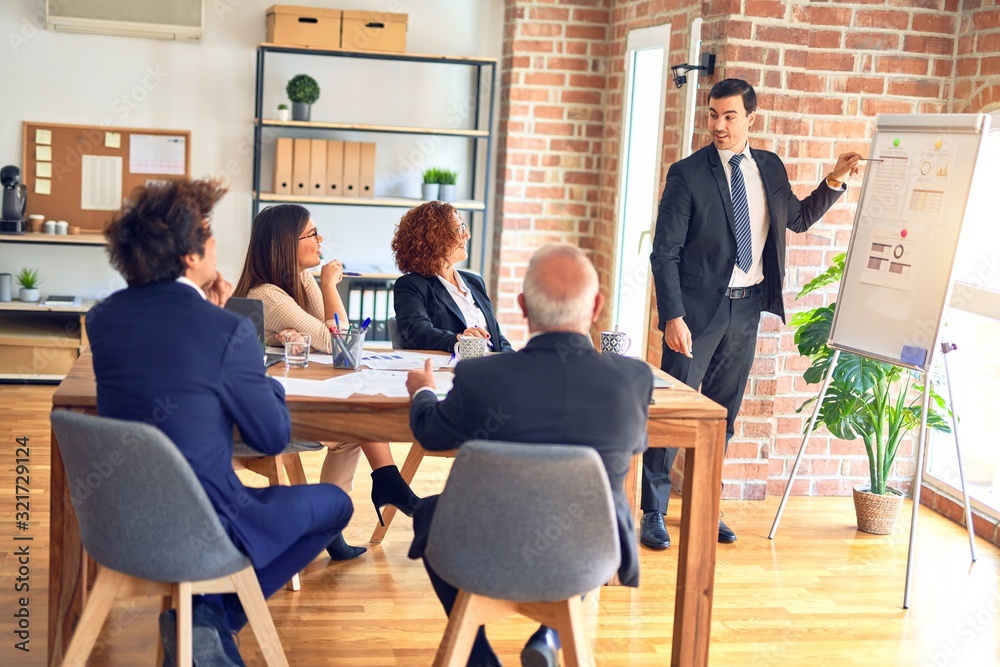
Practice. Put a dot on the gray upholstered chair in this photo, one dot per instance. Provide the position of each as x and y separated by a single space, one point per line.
397 342
551 537
145 518
281 469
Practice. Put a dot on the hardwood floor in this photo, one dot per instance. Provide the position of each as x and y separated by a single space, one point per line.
820 593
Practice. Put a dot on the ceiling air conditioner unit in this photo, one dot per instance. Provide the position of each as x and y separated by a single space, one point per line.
182 20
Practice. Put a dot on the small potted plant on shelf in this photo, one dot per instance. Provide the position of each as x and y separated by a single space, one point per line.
29 279
302 90
429 190
866 398
284 113
447 179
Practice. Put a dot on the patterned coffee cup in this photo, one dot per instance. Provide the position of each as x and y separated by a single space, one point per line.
470 347
615 342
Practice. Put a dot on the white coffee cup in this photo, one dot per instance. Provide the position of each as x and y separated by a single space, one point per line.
49 227
62 228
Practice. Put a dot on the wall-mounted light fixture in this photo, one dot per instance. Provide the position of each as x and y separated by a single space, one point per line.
680 71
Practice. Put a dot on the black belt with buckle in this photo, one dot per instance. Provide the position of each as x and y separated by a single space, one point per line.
742 292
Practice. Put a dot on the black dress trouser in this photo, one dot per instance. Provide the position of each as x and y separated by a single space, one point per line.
721 359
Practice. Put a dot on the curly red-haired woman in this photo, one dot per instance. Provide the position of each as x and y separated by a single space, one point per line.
435 302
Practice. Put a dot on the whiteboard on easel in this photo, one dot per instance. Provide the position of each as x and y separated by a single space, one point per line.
913 204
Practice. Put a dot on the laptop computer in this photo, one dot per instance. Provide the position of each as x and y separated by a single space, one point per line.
253 309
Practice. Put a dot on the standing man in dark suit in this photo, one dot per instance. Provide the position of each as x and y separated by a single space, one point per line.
718 260
558 389
166 354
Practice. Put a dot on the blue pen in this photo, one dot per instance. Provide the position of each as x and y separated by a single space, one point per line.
366 324
351 274
336 320
488 342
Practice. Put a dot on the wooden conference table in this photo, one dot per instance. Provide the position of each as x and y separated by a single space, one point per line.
680 417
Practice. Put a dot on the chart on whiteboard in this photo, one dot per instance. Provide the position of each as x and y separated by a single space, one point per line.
893 257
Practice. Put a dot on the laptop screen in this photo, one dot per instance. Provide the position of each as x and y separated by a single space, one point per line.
253 309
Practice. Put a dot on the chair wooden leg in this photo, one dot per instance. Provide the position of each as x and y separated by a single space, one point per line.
407 472
294 471
469 612
576 648
185 621
259 617
99 603
456 644
166 603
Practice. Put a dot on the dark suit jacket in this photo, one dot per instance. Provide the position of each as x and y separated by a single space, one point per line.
557 390
165 356
694 248
429 319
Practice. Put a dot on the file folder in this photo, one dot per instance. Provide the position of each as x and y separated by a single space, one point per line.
366 178
352 168
317 168
283 166
300 167
334 168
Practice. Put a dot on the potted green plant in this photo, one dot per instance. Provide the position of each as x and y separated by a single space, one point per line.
447 179
430 188
29 280
874 400
284 113
302 90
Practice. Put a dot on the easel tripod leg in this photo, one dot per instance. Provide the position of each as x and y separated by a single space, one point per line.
945 349
805 440
917 476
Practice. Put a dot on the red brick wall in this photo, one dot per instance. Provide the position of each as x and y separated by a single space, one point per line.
553 91
822 72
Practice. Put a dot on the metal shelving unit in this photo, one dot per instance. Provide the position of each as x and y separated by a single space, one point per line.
485 68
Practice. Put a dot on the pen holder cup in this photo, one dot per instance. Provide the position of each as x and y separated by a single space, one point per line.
347 349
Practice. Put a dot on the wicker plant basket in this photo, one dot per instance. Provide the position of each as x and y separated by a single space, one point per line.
877 514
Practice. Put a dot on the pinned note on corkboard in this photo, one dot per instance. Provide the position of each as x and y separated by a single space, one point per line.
81 173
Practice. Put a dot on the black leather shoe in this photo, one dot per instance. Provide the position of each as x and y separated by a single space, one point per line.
653 533
726 535
341 550
389 488
542 649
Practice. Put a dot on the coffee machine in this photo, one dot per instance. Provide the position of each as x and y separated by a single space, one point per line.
15 200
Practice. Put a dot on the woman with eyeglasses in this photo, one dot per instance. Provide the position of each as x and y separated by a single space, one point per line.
284 246
435 302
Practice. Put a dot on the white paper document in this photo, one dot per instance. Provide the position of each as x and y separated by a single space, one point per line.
400 360
156 154
101 183
893 258
391 384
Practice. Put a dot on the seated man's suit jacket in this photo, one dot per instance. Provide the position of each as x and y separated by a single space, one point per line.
165 356
557 390
429 319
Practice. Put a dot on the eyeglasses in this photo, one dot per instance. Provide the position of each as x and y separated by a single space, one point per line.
314 234
462 228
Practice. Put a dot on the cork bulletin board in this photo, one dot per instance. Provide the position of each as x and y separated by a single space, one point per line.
81 173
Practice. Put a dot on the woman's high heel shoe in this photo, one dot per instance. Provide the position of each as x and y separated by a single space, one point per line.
339 549
389 488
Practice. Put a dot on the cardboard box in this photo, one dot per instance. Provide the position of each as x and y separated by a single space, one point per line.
37 345
373 31
314 27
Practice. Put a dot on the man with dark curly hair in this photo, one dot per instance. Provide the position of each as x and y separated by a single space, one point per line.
435 302
166 354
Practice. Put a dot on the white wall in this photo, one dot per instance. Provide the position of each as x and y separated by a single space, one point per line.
208 88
